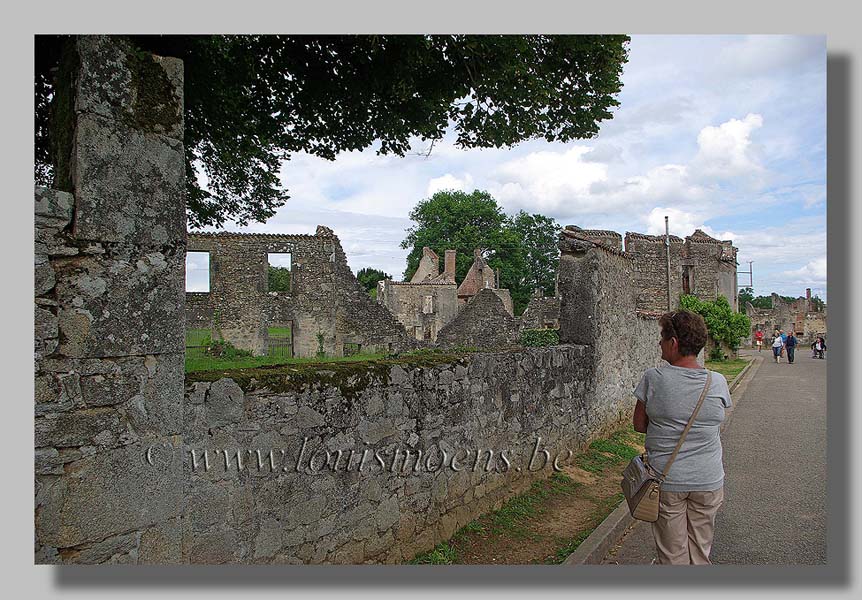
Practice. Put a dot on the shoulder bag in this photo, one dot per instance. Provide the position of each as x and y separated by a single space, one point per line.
642 484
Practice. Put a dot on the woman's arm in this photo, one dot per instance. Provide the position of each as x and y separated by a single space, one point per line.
640 420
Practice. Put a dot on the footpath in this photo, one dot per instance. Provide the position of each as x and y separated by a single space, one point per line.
774 444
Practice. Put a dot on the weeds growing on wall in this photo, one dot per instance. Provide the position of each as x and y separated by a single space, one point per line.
540 337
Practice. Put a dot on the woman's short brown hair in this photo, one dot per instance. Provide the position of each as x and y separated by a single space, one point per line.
687 327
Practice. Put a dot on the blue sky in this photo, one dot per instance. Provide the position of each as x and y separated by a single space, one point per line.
725 133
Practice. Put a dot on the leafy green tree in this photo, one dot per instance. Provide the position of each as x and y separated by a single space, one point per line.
538 234
454 220
817 304
746 294
278 279
724 325
369 277
251 101
523 247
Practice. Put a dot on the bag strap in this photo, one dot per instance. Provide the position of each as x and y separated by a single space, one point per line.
688 425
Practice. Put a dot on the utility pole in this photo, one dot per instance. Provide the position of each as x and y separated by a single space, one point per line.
750 273
667 256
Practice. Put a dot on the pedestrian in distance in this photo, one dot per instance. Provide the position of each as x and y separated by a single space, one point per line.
790 345
818 347
666 396
758 339
777 346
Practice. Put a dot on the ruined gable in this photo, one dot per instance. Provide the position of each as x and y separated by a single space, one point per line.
483 323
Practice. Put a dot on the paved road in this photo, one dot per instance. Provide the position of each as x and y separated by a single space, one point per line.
775 472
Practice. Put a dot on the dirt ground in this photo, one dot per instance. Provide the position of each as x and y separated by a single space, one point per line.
546 524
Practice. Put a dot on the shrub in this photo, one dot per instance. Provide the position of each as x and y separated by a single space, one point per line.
540 337
222 349
716 354
723 324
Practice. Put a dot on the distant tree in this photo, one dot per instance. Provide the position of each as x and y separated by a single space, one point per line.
278 279
538 234
251 101
523 247
817 304
746 294
369 277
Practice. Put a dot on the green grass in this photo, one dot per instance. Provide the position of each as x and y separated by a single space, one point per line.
195 337
442 554
279 332
729 368
196 364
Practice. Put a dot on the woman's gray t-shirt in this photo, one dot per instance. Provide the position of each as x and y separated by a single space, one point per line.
670 394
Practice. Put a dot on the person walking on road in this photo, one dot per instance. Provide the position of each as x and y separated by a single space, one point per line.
818 347
790 346
666 396
758 339
777 346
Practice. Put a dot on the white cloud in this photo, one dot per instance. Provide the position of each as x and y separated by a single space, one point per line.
726 151
545 181
812 274
450 182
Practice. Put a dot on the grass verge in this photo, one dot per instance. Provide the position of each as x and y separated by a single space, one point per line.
729 368
548 522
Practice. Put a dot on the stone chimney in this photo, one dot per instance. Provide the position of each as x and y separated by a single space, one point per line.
449 264
807 299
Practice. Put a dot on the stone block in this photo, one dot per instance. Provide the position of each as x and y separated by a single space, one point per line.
214 547
224 403
107 494
54 205
129 186
43 276
127 304
118 82
91 427
116 549
161 544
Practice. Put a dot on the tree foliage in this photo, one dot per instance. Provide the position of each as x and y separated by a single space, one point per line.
251 101
369 277
278 279
523 247
724 325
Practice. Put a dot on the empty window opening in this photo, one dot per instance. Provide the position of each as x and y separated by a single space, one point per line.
351 349
197 271
279 276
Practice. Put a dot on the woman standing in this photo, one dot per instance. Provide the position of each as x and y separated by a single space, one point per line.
666 398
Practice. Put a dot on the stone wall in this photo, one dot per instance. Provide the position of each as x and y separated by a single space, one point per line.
484 323
649 263
325 298
354 510
541 313
109 265
598 309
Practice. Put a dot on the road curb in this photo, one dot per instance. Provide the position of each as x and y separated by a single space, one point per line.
593 549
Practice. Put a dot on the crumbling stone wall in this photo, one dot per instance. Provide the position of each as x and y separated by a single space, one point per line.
484 323
325 298
649 263
599 309
502 402
541 312
109 252
423 309
479 277
798 316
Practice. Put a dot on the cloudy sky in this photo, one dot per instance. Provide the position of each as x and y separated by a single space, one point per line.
725 133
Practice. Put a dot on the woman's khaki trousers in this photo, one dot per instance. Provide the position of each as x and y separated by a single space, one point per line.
685 527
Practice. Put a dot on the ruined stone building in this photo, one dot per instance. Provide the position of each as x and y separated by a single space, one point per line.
426 303
431 300
326 308
700 265
799 316
482 277
542 312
